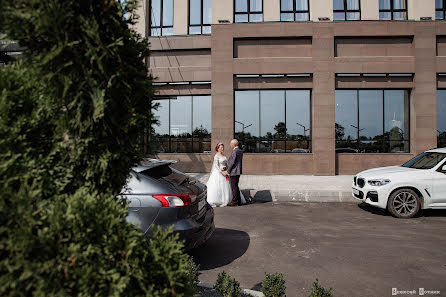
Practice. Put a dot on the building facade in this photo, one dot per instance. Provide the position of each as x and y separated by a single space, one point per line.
319 87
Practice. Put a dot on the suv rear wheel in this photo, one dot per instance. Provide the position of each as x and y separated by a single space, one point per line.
404 203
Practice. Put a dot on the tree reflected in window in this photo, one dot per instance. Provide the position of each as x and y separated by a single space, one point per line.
273 121
372 121
184 125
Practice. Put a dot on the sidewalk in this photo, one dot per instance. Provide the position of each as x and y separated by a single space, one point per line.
286 188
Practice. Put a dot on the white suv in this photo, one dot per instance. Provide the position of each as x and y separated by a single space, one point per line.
403 190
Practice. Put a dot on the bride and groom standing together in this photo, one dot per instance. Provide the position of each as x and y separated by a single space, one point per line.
222 186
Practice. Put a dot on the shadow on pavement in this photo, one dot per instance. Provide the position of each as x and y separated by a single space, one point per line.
422 213
373 210
225 246
433 213
261 196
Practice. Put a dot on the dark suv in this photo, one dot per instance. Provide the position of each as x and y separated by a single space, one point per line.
161 195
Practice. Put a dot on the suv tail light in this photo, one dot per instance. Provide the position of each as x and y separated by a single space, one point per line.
175 200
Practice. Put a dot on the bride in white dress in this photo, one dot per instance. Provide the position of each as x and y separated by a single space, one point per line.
218 188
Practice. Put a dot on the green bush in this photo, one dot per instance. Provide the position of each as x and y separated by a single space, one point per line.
273 285
71 115
318 291
227 286
192 269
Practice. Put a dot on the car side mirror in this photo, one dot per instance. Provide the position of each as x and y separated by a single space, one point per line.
443 168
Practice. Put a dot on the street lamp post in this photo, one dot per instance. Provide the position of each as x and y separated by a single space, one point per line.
243 126
305 129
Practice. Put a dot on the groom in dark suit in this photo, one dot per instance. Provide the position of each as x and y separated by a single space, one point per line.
235 170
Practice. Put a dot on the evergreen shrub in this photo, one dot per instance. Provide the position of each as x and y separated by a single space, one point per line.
71 115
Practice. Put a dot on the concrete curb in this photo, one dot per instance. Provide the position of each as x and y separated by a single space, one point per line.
297 188
246 291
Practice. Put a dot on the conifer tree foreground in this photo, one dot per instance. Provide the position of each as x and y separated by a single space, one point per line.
71 114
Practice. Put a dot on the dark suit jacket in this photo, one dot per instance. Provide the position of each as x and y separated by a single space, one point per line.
235 162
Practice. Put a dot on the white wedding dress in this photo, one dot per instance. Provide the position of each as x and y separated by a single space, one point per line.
218 188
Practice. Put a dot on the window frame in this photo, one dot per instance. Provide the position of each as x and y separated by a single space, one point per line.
443 10
294 11
346 10
260 138
202 24
248 12
392 11
160 26
358 140
193 139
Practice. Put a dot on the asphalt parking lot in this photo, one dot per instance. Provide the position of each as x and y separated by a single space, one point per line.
355 249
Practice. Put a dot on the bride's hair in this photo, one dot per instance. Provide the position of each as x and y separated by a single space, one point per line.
218 145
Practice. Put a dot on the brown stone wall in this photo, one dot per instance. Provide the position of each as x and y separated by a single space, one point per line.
281 48
354 163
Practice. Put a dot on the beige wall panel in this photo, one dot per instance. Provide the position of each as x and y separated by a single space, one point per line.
420 8
354 163
375 65
183 90
179 42
273 83
271 10
321 8
222 10
277 47
180 58
175 74
369 10
273 65
143 13
190 162
277 163
373 47
180 17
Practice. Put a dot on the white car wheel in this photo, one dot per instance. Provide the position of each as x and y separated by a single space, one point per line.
404 203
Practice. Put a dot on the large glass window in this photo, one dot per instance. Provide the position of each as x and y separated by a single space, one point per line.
161 18
441 118
346 10
440 9
248 11
372 121
273 121
184 125
393 9
200 16
294 10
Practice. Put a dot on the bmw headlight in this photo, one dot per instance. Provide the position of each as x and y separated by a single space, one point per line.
378 182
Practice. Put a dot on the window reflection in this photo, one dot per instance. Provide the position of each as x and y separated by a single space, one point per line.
161 18
346 10
200 16
393 9
248 11
294 10
370 128
184 125
372 121
441 118
273 121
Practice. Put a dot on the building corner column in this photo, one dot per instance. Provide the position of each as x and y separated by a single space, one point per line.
323 100
423 100
222 85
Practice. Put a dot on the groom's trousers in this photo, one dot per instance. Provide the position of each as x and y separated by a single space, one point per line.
235 189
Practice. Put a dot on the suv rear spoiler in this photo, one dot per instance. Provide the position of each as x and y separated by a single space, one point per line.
148 163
